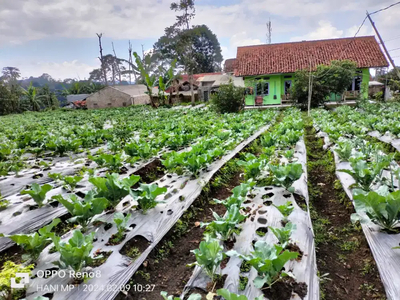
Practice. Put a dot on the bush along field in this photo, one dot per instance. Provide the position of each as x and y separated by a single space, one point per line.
186 203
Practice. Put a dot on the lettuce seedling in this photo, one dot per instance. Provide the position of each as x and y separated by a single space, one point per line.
34 243
209 256
283 234
225 225
286 175
38 193
285 209
83 211
112 188
146 194
269 261
76 252
382 209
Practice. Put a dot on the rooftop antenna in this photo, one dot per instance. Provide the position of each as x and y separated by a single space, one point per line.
269 31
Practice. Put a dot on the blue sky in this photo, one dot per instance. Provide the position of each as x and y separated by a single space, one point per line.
59 37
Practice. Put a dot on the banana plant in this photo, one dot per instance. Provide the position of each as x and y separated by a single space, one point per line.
269 261
34 243
83 211
38 193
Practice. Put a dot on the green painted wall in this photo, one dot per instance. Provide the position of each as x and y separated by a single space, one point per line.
276 88
364 86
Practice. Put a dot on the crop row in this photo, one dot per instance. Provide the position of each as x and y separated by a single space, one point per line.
260 260
371 179
113 197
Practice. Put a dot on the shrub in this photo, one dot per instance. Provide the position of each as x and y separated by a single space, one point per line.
228 99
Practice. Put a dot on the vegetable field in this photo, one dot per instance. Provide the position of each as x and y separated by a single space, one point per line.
184 203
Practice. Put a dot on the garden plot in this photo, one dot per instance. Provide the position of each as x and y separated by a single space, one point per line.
201 160
371 180
23 216
118 269
261 207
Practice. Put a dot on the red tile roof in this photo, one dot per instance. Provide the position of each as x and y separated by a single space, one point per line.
230 65
290 57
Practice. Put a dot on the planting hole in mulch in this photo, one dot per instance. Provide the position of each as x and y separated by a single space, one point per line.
294 248
300 200
115 239
150 173
262 220
80 194
101 258
108 226
135 246
218 283
283 290
262 231
230 243
267 196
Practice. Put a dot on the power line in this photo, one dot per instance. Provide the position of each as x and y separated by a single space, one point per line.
392 39
394 49
387 7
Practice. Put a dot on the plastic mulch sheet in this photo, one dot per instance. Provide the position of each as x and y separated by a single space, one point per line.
380 243
150 228
386 138
262 215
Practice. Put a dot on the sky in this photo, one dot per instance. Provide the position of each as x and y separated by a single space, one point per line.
58 37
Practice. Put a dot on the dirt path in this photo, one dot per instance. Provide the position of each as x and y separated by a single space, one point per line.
344 260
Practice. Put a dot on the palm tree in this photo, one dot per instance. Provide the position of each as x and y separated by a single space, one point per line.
32 98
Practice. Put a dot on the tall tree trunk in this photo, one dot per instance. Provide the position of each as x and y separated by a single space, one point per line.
117 64
101 58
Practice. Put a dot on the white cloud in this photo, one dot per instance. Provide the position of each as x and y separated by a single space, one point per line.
325 31
365 30
66 69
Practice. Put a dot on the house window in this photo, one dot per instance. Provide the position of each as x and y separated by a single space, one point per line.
109 104
262 88
287 76
124 104
288 85
265 88
355 84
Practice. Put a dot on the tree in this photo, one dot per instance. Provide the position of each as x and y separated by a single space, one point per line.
49 98
9 99
188 9
103 69
228 99
327 79
111 68
11 75
392 80
167 80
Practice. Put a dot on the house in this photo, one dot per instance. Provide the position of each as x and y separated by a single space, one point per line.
268 70
118 96
375 87
209 84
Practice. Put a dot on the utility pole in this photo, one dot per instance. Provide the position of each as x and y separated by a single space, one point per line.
310 84
269 32
383 45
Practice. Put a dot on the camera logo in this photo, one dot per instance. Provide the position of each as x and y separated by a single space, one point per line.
24 280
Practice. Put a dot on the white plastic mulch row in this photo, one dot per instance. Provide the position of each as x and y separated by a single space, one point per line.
386 138
263 214
118 269
380 243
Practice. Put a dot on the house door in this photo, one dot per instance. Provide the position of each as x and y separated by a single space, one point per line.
205 96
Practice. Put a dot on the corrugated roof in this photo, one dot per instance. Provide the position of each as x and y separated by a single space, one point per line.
79 97
290 57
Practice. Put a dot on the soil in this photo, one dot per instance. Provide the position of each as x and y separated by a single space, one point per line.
351 271
283 290
151 172
170 273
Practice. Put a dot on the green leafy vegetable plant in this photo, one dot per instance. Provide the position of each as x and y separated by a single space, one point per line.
283 234
232 296
110 161
146 195
269 261
191 297
253 166
285 209
122 222
34 243
238 196
344 149
226 225
83 211
286 175
209 256
76 252
382 209
112 188
70 182
38 193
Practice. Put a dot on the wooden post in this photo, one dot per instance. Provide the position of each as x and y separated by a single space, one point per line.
101 58
383 45
309 90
